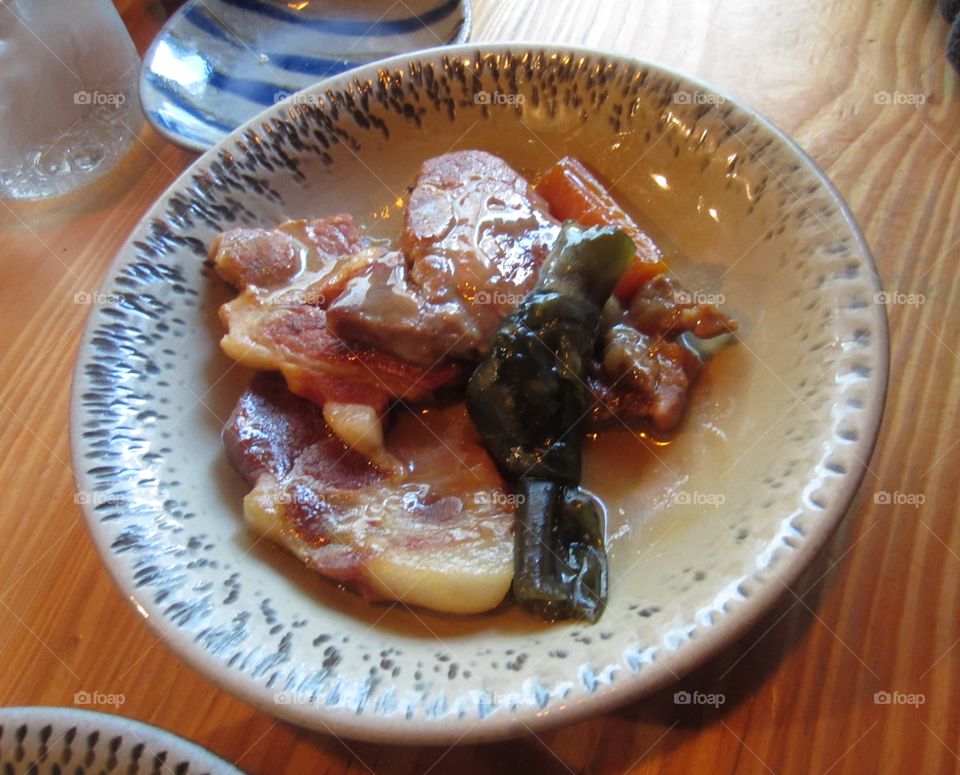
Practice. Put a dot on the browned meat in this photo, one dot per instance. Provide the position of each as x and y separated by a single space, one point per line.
256 257
471 209
663 307
382 309
278 321
271 427
436 532
474 238
268 258
642 379
644 374
353 325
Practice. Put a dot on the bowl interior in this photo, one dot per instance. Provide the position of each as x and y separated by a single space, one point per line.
777 433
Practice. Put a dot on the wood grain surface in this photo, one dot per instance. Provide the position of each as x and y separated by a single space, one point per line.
877 612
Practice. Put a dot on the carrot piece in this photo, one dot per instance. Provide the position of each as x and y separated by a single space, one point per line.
573 193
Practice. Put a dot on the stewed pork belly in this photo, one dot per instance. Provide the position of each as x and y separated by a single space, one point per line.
278 322
403 502
435 532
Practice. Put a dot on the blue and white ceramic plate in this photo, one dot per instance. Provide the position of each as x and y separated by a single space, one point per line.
38 741
218 63
704 532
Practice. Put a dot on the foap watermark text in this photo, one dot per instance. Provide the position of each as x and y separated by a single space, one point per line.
892 298
713 699
498 298
899 698
897 498
681 97
90 498
103 699
98 298
497 98
899 98
115 99
496 498
312 100
697 498
697 297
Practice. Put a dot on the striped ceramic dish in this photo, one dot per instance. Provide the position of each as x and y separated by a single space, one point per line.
217 63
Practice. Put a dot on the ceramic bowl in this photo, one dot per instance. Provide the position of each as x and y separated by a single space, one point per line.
217 63
704 529
41 740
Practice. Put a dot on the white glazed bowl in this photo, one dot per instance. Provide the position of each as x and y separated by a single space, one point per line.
705 531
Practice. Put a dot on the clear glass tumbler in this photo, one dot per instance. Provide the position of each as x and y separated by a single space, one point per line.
68 94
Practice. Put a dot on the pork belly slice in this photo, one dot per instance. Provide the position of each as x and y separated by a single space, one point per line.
437 532
286 277
266 335
474 237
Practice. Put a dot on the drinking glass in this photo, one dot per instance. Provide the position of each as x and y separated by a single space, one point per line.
68 94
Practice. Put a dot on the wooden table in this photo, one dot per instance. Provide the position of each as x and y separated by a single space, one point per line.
878 611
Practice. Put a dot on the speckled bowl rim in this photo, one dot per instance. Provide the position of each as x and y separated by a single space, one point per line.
784 568
193 145
42 715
